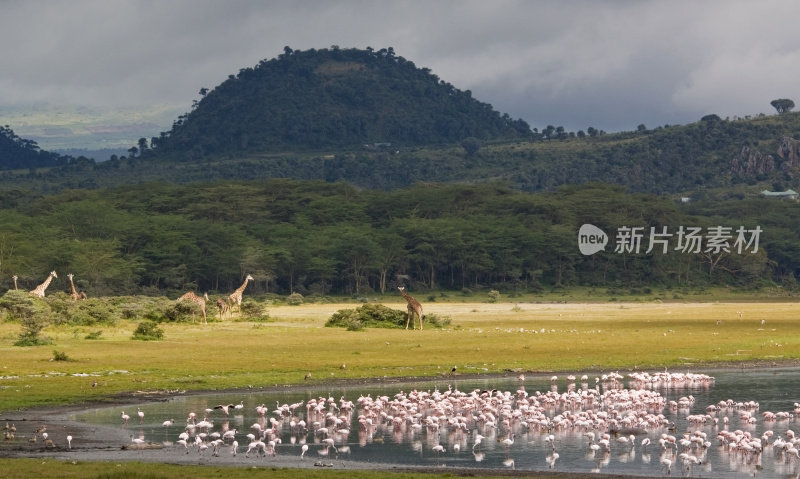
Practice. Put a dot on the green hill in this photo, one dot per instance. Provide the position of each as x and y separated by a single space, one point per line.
375 120
332 98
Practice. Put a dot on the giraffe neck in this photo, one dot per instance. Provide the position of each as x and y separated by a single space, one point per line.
241 288
72 286
46 283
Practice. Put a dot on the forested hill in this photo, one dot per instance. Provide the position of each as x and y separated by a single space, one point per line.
17 152
375 120
332 98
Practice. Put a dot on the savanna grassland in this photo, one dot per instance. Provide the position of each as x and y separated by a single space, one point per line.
482 338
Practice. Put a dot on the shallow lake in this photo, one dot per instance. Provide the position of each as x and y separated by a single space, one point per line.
700 424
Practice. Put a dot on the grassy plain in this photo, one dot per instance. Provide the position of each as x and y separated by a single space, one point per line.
483 338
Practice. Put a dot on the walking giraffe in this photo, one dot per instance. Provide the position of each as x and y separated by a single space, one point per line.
236 296
413 307
74 294
39 290
200 300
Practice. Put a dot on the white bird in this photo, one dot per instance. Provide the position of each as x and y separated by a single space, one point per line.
234 447
137 441
125 418
141 415
478 440
168 422
69 442
303 450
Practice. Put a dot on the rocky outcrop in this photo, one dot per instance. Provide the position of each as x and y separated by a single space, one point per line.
752 162
789 151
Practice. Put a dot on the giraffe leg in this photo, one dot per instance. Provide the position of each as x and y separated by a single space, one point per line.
408 320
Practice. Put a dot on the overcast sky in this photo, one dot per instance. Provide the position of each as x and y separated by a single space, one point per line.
75 66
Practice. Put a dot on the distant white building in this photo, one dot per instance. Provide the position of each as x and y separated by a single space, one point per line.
788 194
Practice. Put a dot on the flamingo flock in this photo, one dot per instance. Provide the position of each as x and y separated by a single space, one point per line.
592 425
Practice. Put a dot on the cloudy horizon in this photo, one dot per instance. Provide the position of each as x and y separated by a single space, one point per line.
81 69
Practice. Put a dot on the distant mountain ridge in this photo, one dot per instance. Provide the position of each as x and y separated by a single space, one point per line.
375 120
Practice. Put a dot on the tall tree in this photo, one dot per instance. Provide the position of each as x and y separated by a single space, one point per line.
782 105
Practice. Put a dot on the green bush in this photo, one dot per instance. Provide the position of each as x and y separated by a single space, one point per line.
378 316
32 313
148 331
295 299
60 356
94 335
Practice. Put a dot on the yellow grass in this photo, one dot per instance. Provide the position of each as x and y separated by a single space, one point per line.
483 338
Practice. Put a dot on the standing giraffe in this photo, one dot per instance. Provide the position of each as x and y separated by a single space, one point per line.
74 294
236 296
223 308
413 307
200 300
15 278
39 290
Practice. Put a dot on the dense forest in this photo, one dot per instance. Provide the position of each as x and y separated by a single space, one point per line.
322 238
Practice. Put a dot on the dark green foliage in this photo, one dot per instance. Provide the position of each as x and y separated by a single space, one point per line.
378 316
332 98
60 356
148 331
33 315
94 335
16 153
368 315
253 311
295 299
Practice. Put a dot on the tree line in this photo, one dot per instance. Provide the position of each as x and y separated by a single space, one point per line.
314 237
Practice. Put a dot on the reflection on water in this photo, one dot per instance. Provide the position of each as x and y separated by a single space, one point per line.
738 422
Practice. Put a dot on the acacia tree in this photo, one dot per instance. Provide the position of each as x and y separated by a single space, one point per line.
782 105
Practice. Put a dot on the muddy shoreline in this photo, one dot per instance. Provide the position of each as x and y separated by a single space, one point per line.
97 443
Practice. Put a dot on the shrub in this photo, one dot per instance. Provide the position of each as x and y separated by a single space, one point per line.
494 295
294 299
148 331
60 356
378 316
33 315
94 335
253 311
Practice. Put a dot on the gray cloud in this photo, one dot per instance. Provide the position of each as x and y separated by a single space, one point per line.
611 65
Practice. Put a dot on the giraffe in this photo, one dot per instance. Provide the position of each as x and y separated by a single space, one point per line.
223 308
74 294
15 278
413 307
200 300
236 296
39 290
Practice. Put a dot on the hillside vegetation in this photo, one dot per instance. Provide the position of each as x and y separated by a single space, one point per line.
375 120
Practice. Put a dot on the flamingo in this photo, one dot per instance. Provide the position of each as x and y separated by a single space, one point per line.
125 418
478 440
141 415
224 407
168 423
234 447
303 450
69 442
